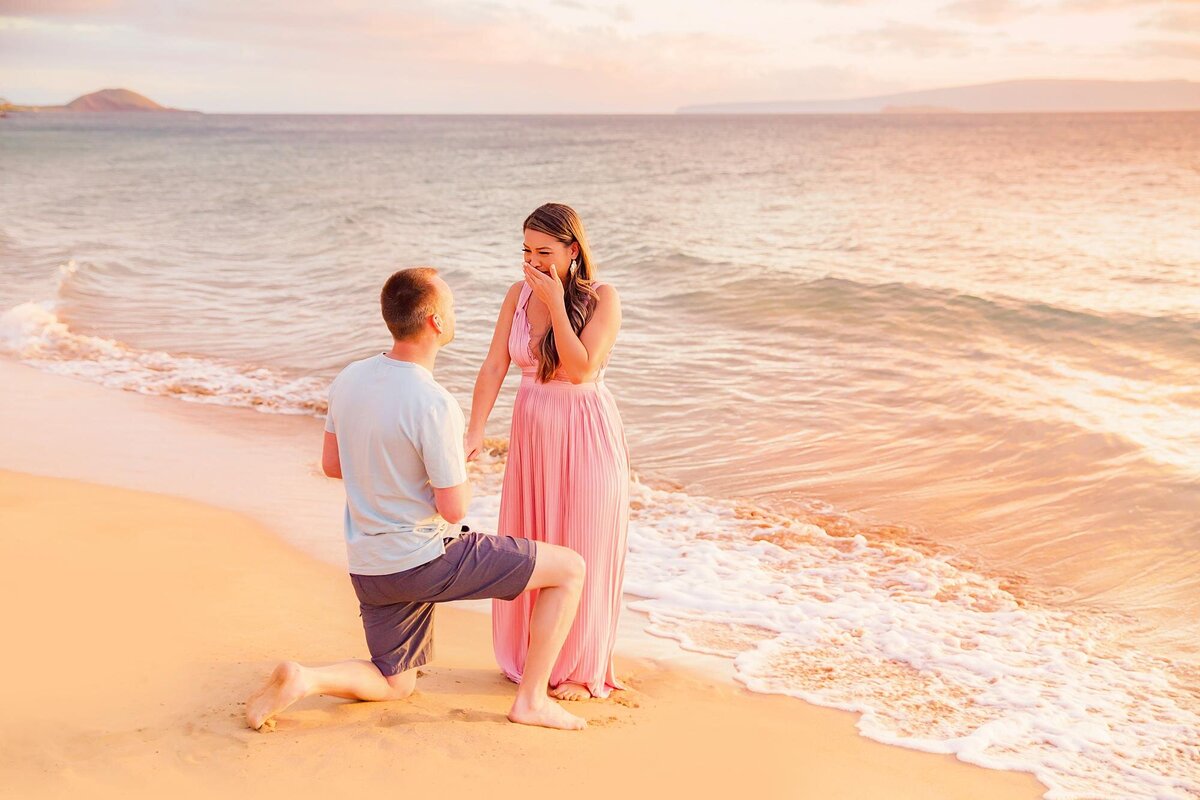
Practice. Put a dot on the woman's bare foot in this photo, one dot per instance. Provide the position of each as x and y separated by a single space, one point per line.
547 714
571 691
284 687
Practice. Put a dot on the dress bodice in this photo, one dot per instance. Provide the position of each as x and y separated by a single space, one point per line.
520 344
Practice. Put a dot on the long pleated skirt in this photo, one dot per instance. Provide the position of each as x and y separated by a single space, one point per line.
567 483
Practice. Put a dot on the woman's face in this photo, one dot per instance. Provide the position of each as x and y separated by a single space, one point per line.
543 252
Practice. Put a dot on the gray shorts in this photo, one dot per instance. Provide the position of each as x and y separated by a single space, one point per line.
397 609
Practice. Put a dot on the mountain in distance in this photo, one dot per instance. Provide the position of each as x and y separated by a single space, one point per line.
103 101
1021 96
114 100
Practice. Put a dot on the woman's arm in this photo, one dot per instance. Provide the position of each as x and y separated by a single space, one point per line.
491 374
583 356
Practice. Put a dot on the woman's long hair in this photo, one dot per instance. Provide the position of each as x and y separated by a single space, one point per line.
561 222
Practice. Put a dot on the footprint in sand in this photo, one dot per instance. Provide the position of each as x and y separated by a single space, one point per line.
604 722
628 702
467 715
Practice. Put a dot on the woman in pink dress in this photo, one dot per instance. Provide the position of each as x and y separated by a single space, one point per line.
567 477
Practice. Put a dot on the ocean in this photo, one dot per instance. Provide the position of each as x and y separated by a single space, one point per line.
913 402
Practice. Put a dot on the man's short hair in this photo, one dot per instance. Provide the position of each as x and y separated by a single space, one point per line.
407 299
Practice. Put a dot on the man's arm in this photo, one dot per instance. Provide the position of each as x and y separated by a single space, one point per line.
441 445
452 502
331 464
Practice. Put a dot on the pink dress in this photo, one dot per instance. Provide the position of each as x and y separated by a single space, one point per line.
566 483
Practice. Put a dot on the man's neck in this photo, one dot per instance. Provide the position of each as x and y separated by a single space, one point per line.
423 353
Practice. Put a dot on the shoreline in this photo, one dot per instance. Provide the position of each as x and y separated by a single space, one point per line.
153 444
179 610
235 467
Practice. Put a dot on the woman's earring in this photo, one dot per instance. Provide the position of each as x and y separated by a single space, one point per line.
571 270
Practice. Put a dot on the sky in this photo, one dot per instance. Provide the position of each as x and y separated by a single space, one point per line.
570 56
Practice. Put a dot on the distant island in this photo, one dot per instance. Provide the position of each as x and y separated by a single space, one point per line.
1024 96
103 101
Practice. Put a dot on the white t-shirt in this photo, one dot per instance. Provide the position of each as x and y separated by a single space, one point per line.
399 435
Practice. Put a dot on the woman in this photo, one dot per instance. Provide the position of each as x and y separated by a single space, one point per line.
567 477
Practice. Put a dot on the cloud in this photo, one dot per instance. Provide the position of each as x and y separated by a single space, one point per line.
556 55
918 40
995 12
467 56
55 8
618 13
988 12
474 31
1176 19
1168 48
1108 5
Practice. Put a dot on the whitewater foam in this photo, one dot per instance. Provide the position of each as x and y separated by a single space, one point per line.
934 655
33 333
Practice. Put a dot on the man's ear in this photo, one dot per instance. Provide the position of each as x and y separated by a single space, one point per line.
437 322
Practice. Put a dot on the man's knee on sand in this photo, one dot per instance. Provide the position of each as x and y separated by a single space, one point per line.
401 685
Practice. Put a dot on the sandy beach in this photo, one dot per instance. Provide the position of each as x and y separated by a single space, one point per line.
146 594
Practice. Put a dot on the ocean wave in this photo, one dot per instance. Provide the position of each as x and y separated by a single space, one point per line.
736 290
32 332
1127 376
1159 417
947 311
933 653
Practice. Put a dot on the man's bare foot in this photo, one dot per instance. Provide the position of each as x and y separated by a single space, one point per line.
547 714
284 687
571 691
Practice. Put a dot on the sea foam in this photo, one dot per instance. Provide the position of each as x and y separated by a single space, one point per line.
34 333
933 654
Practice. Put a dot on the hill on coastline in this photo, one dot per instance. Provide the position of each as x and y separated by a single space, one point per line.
103 101
1028 96
114 100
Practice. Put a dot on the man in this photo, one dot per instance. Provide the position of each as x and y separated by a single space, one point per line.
395 437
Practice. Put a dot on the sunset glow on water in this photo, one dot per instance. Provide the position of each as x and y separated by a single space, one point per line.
916 396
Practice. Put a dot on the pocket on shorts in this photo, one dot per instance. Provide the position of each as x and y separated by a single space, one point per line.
362 590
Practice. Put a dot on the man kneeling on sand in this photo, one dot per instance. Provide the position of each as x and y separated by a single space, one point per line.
395 437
